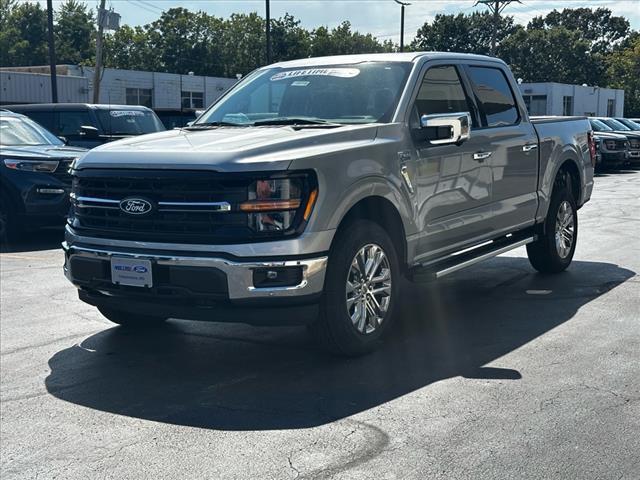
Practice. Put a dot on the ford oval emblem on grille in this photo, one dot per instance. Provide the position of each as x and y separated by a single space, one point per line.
136 206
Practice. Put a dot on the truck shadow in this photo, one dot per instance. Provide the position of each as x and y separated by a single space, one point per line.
43 239
233 377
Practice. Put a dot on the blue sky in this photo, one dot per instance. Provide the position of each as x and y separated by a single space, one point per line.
379 17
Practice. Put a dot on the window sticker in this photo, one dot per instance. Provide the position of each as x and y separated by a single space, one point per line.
126 113
299 83
326 72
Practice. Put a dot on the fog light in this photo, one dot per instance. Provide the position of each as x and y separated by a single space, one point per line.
277 277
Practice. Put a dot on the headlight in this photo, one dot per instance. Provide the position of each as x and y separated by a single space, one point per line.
280 204
31 165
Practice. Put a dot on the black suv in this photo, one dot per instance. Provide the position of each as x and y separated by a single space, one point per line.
34 176
86 125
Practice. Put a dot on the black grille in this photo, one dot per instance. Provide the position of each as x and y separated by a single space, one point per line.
195 224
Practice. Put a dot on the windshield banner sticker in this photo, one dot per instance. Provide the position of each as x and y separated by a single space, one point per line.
327 72
126 113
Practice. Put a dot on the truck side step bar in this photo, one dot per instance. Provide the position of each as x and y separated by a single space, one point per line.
465 258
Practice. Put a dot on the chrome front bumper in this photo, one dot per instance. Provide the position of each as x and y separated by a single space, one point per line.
239 274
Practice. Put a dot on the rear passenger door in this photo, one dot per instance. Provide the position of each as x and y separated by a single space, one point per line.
512 142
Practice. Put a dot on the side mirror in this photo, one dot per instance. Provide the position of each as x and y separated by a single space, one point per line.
447 128
65 140
88 131
188 124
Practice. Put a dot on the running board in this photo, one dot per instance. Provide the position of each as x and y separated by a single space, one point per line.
457 261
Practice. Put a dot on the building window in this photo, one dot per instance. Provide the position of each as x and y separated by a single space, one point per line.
139 96
611 107
567 105
536 104
192 99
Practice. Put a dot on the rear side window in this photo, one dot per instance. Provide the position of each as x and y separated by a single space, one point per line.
70 122
497 103
441 92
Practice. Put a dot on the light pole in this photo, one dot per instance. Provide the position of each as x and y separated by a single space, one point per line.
402 5
52 53
268 31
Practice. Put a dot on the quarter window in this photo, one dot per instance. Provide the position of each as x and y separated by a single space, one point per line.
70 122
494 94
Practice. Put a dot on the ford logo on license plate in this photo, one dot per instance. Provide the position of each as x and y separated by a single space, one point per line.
136 206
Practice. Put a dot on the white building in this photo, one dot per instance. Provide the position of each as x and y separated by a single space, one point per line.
551 98
160 91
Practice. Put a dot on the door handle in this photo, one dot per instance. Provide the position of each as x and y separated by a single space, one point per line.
529 147
481 156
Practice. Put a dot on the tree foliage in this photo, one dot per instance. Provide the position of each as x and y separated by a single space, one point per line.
580 45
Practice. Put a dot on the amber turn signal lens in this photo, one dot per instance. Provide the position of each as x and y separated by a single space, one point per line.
312 200
269 205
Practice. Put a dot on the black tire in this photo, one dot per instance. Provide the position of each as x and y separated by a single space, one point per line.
544 254
131 320
334 330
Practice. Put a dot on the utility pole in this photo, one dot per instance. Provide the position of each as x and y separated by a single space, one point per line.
52 53
402 5
268 31
495 7
102 19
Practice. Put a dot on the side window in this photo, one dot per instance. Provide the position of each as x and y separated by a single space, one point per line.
71 121
497 103
441 91
46 119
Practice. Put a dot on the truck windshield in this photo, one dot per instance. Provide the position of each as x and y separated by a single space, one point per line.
16 131
600 126
128 122
365 92
616 125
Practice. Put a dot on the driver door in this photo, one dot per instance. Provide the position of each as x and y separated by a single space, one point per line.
453 181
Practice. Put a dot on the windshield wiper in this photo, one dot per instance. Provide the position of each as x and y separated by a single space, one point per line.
200 126
296 122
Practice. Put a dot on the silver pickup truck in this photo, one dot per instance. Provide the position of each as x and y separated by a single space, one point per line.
306 192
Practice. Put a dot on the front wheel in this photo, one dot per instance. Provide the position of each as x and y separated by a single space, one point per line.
361 290
131 320
554 249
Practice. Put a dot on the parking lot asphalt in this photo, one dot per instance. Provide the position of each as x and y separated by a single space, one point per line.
494 372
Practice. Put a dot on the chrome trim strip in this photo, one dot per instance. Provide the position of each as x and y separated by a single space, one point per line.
82 202
95 200
309 243
239 274
486 256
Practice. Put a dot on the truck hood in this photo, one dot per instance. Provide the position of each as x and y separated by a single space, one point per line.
609 135
224 149
42 151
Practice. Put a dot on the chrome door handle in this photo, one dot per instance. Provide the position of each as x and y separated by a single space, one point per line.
481 156
529 147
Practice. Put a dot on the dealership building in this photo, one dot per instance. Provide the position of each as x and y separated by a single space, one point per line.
549 98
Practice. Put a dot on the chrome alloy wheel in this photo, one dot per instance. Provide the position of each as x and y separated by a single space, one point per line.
368 289
565 229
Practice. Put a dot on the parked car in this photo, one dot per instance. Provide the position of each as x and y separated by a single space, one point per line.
630 124
632 136
34 175
309 190
87 125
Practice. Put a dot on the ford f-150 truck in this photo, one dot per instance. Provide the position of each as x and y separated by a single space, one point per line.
307 191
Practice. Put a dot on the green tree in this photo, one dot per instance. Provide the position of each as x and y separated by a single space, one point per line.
549 55
343 41
461 33
244 41
288 39
23 34
75 33
129 48
624 72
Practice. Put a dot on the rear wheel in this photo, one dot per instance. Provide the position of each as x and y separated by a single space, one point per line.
554 249
361 289
131 320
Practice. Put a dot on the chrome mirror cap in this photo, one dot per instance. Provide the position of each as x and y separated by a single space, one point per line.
460 124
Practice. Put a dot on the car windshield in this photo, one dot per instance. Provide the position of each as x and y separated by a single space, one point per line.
629 123
19 131
339 94
600 126
128 122
616 125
